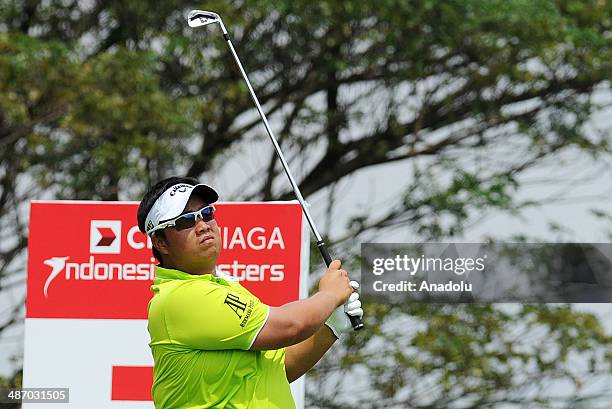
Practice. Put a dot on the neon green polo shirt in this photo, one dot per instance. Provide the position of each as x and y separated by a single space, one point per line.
201 328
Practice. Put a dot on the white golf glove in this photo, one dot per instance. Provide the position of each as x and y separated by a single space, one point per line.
339 322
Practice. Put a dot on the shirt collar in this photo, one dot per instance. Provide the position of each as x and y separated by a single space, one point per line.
163 274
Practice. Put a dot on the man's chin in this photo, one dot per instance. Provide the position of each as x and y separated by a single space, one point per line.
210 254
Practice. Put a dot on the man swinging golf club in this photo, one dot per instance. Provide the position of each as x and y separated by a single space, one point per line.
214 344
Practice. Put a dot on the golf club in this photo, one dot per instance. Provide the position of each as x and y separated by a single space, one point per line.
198 18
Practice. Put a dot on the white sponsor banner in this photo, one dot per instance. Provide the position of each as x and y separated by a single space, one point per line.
88 289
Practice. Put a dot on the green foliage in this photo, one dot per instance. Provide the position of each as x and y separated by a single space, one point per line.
463 356
15 382
88 123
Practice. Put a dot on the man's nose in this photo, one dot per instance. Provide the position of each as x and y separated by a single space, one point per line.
201 225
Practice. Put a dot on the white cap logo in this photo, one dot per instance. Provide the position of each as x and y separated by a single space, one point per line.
105 237
172 202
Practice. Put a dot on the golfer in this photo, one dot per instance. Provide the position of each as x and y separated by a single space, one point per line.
216 345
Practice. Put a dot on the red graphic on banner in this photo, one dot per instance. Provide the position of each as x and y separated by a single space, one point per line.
108 275
107 236
132 383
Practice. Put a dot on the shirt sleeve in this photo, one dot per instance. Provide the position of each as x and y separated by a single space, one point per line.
211 316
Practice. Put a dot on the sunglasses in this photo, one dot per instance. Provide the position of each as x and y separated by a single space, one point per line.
188 220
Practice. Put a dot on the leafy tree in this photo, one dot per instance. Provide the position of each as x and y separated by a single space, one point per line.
467 356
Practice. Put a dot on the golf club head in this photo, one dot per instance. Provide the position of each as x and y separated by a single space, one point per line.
198 18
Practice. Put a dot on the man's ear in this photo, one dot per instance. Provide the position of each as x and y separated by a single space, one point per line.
159 243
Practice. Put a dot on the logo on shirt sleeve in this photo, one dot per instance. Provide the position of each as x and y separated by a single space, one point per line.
233 301
239 308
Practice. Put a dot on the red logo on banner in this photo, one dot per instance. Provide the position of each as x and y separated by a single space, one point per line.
89 260
103 237
107 236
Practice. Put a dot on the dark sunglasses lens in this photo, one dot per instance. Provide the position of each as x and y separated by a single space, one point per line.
208 214
185 222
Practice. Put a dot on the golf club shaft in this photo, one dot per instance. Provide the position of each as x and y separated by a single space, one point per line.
355 321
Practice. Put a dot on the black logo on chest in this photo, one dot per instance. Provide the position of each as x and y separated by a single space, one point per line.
233 301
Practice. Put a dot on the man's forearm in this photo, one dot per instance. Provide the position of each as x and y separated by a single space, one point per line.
299 358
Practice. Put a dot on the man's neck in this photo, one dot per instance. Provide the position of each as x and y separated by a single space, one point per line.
204 271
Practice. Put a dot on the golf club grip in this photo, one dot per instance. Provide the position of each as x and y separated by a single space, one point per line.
355 321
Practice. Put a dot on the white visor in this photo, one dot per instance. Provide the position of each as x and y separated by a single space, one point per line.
173 201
